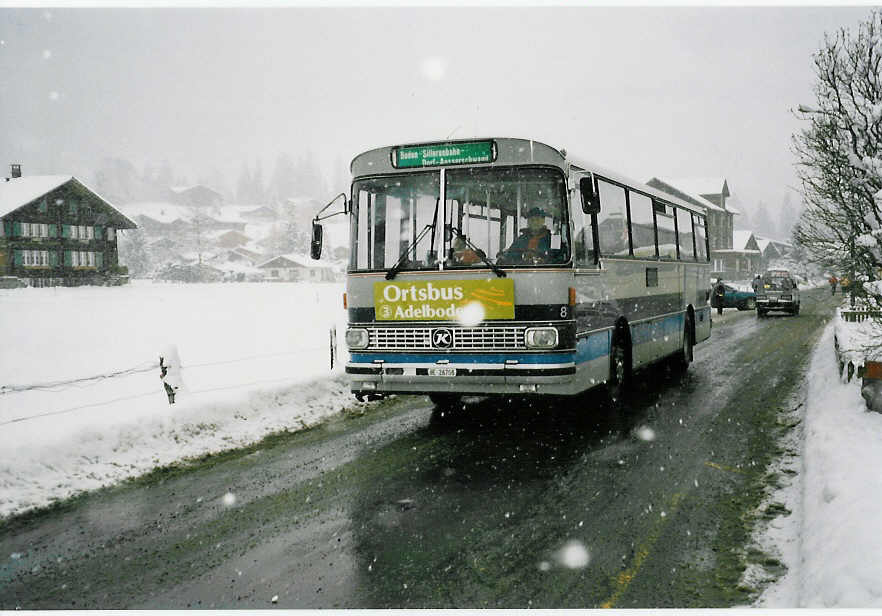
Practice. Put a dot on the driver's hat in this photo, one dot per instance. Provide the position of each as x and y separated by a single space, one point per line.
536 211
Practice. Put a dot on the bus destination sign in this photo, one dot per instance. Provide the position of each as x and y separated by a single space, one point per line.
443 154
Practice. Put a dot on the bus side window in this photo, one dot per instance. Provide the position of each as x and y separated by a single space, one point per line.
642 226
612 221
666 233
685 235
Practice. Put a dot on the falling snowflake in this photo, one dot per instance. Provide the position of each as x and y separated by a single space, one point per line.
573 555
472 314
47 53
434 68
229 499
645 433
53 96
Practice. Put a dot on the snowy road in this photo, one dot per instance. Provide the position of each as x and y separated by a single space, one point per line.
504 505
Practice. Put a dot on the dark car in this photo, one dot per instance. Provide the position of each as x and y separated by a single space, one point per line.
778 291
732 298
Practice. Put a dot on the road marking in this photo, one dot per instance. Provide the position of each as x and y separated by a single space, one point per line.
624 579
720 467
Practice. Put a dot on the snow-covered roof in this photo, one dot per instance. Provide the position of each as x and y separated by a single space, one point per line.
17 192
21 191
772 240
740 239
694 196
292 259
160 211
699 186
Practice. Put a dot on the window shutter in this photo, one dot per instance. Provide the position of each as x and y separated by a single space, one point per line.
53 258
7 228
17 257
43 206
16 229
53 230
99 260
98 233
65 230
68 258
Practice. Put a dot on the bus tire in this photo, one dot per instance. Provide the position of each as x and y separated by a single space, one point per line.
620 370
684 356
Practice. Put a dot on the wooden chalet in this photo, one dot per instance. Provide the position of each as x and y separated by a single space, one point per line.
54 230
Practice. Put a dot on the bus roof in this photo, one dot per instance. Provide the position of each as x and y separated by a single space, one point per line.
509 151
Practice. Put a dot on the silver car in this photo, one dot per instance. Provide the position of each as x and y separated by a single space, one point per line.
778 291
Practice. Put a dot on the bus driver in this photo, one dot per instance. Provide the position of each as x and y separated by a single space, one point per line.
534 243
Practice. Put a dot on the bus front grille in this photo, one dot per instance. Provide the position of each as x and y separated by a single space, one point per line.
464 339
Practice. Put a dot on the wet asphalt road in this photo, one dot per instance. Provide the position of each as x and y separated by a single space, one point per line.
560 504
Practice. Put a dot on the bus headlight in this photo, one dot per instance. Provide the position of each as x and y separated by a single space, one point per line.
541 338
357 338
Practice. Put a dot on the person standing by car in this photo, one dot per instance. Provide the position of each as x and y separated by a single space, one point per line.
833 282
757 284
719 292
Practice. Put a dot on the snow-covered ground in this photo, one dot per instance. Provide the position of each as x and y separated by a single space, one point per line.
832 540
255 360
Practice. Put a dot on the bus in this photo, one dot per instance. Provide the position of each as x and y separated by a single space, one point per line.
507 266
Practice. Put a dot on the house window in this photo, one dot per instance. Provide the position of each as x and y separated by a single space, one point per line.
274 273
82 232
718 265
111 234
90 233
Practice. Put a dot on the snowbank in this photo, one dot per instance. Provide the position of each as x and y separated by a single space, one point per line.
832 541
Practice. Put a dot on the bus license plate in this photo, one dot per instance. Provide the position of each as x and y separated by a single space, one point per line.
442 371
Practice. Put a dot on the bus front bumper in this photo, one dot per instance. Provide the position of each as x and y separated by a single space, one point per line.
542 373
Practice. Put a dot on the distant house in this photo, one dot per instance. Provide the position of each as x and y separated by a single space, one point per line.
293 268
260 214
194 196
711 194
743 261
230 239
57 231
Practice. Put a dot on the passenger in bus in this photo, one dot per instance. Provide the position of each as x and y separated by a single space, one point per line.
534 242
462 254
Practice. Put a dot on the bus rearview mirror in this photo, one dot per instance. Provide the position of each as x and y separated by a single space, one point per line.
315 247
590 202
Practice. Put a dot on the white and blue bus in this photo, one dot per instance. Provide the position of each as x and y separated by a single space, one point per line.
506 266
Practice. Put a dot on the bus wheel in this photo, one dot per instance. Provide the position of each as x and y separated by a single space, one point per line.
619 383
684 357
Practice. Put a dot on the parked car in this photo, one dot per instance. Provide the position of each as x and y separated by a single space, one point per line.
732 298
778 291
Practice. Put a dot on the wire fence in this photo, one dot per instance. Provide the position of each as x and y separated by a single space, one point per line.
61 385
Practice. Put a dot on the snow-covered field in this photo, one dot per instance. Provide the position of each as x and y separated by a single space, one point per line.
255 358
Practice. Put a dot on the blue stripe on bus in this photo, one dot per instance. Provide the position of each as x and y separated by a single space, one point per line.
593 346
649 331
464 358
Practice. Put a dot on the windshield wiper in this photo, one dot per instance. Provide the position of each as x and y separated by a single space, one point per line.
393 271
397 267
496 269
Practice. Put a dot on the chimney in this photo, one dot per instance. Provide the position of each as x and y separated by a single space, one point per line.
16 170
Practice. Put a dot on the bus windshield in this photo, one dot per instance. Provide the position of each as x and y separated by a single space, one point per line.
511 216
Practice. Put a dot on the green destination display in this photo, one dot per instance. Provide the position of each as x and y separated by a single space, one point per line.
442 300
443 154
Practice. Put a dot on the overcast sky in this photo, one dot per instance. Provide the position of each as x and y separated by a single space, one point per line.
696 91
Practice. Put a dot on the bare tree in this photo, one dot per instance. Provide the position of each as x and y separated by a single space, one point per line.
840 156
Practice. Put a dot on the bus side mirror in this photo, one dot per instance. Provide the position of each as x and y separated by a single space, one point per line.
315 247
590 202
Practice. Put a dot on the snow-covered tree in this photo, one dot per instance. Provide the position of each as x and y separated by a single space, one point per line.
840 154
133 252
